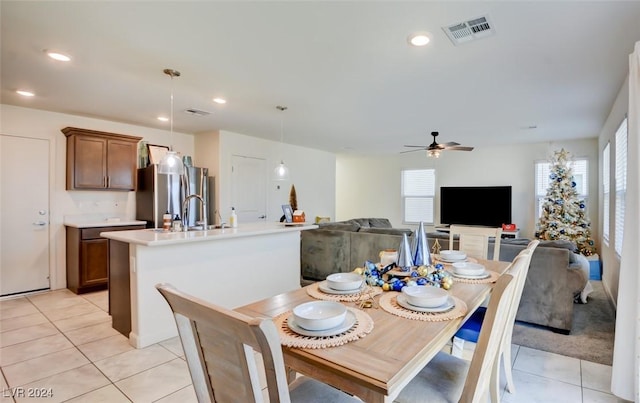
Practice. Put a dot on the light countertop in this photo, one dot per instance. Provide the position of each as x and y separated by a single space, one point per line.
158 237
98 220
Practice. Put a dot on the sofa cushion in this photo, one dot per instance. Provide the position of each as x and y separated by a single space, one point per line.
560 243
379 223
371 222
340 226
323 252
387 231
360 222
515 241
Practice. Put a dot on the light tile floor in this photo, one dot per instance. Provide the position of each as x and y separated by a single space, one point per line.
63 347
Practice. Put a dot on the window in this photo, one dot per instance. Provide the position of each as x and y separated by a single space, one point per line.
580 167
621 184
418 193
606 193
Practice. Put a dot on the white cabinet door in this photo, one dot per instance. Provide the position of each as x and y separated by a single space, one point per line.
24 214
248 189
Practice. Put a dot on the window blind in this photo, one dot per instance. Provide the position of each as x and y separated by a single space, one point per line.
606 192
621 184
418 193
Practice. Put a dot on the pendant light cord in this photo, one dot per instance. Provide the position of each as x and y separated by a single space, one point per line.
171 126
281 109
171 73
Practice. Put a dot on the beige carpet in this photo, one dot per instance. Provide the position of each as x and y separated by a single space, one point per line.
591 336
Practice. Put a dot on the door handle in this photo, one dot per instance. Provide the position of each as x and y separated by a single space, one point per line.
40 223
262 217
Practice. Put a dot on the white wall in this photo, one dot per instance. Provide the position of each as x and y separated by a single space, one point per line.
311 171
370 187
34 123
610 260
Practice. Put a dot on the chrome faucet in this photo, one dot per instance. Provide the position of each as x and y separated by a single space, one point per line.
185 204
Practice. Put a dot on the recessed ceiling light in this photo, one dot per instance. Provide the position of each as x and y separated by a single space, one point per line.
220 100
26 93
163 118
419 39
58 56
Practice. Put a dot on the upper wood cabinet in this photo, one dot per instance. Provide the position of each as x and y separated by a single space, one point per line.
100 160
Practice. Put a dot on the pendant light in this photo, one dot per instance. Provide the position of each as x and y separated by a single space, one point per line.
171 163
281 171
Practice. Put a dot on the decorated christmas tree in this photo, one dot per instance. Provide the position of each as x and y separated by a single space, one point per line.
564 212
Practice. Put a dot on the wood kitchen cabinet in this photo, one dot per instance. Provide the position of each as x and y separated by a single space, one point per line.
88 257
100 160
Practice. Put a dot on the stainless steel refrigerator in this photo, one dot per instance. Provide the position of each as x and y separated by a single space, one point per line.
157 194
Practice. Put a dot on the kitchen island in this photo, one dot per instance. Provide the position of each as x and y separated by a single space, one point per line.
230 267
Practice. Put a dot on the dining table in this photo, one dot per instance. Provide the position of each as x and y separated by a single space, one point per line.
376 367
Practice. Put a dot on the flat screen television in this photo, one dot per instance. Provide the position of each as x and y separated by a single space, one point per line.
480 205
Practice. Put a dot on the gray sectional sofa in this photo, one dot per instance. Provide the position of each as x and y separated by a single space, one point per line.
343 246
555 277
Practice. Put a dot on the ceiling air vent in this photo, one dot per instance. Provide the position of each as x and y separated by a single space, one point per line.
467 31
197 112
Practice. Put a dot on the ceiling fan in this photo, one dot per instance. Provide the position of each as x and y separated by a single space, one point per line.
434 149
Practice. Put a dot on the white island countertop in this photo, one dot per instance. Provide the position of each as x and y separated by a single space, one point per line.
159 237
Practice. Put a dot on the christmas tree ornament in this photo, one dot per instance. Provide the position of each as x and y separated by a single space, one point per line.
436 247
405 261
419 248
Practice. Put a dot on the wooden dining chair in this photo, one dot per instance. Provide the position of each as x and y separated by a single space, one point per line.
220 345
451 379
474 241
470 330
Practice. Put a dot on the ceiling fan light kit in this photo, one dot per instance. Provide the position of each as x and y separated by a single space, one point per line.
434 149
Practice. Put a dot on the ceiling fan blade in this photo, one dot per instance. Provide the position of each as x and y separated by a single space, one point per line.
460 148
410 151
450 144
416 146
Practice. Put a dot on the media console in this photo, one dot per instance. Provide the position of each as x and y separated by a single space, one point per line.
505 234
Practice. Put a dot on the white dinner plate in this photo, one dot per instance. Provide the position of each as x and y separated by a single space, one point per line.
452 260
402 301
482 276
322 286
348 323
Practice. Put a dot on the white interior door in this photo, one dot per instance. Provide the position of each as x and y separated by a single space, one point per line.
24 215
248 188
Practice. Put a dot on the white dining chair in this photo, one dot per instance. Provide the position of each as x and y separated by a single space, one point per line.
474 241
470 330
451 379
505 350
220 345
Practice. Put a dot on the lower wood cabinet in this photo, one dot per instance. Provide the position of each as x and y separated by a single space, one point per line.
88 257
